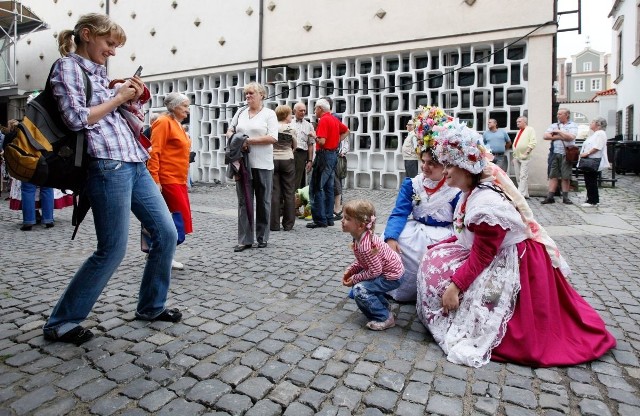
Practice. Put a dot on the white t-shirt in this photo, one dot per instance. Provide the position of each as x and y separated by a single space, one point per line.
265 123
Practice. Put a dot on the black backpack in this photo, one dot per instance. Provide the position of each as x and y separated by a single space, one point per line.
43 151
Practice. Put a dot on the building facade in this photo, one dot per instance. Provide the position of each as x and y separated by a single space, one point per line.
625 63
587 75
378 60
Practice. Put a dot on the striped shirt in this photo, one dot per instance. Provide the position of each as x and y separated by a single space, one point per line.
374 258
108 138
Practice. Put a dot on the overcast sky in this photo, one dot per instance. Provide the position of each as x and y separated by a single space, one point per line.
596 26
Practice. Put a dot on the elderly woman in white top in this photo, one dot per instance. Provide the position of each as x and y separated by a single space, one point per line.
261 126
595 148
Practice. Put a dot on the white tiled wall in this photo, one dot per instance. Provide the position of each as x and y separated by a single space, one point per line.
376 96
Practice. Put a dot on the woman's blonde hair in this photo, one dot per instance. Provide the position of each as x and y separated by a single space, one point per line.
362 211
255 87
282 112
98 25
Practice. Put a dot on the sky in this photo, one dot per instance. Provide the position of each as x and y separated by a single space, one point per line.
596 27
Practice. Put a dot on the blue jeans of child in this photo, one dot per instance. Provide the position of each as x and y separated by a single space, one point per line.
28 202
116 189
369 296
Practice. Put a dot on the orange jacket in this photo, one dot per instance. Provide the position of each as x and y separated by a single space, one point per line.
170 147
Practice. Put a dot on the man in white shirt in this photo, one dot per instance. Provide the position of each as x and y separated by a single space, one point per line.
306 139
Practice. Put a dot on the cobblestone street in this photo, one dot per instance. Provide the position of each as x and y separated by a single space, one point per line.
271 331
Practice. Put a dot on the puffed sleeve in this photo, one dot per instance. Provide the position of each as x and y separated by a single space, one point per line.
486 242
404 207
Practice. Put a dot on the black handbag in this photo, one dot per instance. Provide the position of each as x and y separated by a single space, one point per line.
589 164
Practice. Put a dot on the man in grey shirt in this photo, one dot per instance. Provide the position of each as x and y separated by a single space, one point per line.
562 134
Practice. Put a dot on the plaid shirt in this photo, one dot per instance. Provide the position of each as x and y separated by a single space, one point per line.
374 258
110 137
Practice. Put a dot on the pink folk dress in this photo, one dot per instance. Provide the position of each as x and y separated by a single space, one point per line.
516 305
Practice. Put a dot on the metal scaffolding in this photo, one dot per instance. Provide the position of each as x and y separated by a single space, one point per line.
16 20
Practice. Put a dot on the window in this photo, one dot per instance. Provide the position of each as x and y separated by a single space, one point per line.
596 84
586 67
619 60
579 85
629 127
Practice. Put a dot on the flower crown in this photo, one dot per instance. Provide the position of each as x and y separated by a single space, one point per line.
461 146
428 123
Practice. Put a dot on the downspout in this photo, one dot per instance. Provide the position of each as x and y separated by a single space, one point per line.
554 58
260 24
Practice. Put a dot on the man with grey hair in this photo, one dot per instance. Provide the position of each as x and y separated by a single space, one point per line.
498 141
562 134
329 133
306 136
523 145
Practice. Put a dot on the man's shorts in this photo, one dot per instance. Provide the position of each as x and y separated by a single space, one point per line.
560 168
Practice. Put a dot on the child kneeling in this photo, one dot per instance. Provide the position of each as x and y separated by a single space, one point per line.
377 269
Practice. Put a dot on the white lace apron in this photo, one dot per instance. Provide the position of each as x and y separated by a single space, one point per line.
468 334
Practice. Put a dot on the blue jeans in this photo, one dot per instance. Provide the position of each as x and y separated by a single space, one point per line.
321 187
369 296
28 197
115 189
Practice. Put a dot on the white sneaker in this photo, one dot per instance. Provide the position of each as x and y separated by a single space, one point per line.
381 326
176 265
588 205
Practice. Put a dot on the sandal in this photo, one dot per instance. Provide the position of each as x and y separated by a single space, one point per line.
242 247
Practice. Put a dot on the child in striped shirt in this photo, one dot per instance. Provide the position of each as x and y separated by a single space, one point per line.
377 269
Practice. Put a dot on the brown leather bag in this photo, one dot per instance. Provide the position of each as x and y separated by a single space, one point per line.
571 153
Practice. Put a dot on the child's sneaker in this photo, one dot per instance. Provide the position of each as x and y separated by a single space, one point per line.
381 326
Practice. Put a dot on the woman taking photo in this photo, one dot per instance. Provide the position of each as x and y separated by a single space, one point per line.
261 126
169 159
594 148
497 289
118 181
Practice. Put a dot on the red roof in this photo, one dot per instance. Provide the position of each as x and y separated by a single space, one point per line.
611 91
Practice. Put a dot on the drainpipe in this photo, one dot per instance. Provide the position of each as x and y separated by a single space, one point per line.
260 24
554 57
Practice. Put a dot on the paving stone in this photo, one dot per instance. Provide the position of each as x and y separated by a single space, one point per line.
626 410
274 371
284 393
311 364
265 408
416 392
442 405
23 358
624 397
256 388
182 385
164 376
109 405
181 407
300 377
39 380
324 383
254 359
271 346
390 380
510 410
290 356
78 378
409 409
298 409
234 404
486 405
589 407
449 386
585 390
204 370
139 388
520 397
125 373
152 360
155 400
32 400
615 382
95 389
381 399
344 397
110 362
235 375
312 399
208 392
335 368
551 401
368 369
323 353
62 406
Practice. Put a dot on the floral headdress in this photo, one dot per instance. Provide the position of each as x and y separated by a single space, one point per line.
461 146
428 124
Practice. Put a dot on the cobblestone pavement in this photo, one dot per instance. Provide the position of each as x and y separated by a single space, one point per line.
271 331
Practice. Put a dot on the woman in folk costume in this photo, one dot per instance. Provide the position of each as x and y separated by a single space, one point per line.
423 214
497 289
